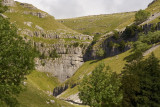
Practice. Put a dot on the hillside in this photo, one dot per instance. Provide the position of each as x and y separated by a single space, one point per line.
68 52
99 23
60 52
116 62
61 49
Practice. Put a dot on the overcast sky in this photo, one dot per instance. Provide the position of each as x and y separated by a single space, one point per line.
75 8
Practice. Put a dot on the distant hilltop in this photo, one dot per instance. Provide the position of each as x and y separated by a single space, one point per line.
152 2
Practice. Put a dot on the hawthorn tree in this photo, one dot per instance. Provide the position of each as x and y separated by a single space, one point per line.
101 88
141 83
16 61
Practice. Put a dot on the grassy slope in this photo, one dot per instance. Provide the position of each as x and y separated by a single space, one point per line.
49 24
35 94
154 8
116 63
99 23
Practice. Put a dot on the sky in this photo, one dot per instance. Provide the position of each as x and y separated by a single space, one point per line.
62 9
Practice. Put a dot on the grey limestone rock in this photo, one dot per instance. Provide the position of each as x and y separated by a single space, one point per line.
8 2
29 6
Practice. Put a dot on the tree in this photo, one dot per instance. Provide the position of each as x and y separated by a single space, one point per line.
116 35
141 16
101 89
141 83
100 52
122 45
16 61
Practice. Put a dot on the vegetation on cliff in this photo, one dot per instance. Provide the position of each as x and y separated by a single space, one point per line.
16 61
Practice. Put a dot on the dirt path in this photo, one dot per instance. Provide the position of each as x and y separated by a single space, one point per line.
151 50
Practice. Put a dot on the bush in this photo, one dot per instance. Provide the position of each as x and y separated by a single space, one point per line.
110 44
96 38
76 44
16 61
53 54
131 31
122 45
100 52
116 35
101 88
141 16
141 83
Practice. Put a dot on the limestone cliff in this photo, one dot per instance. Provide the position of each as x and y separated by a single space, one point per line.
49 37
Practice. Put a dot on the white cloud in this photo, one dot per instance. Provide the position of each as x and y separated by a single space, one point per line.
76 8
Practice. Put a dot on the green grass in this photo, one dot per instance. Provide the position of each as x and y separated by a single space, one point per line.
99 23
43 81
48 23
33 97
155 7
35 92
69 92
156 53
116 64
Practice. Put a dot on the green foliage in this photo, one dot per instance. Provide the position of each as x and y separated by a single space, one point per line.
42 56
2 8
100 52
96 38
116 35
122 45
16 60
141 16
53 54
144 42
76 44
86 33
110 44
101 89
141 83
131 31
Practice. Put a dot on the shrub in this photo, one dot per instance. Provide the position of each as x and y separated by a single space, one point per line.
141 16
100 52
101 89
116 35
110 44
76 44
122 45
53 54
131 31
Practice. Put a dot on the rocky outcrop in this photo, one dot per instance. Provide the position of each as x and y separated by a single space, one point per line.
54 35
58 90
8 2
70 55
38 14
92 52
71 58
29 6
